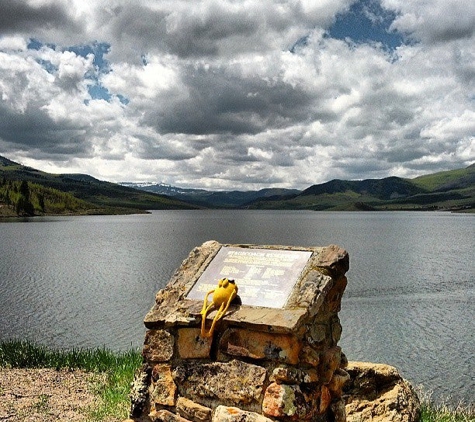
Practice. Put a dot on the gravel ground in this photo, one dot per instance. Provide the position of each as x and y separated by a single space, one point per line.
39 395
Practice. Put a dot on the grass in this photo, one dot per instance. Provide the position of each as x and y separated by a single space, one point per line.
440 411
119 368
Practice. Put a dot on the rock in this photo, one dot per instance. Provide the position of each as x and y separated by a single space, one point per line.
289 402
259 345
193 411
378 393
325 399
292 375
191 345
339 379
232 383
234 414
309 356
338 410
139 391
158 346
165 416
163 388
330 361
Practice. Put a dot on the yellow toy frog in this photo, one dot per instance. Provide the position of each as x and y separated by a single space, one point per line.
223 295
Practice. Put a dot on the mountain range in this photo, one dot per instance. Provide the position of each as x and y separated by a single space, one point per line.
449 190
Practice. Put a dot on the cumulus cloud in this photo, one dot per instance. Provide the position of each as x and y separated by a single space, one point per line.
226 94
437 21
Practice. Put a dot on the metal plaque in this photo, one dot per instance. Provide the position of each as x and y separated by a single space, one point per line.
265 277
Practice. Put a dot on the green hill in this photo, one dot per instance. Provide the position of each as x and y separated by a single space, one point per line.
449 190
73 193
47 193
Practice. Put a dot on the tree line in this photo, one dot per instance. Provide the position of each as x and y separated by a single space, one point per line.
24 198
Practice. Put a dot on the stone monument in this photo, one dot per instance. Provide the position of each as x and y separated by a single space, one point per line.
274 356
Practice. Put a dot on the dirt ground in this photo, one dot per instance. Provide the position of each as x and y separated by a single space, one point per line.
41 395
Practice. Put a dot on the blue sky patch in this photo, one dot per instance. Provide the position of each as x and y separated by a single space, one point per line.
96 48
101 66
367 22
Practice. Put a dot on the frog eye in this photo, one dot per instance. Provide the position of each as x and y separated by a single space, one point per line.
225 282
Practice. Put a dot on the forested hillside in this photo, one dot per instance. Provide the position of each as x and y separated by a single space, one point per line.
27 191
28 199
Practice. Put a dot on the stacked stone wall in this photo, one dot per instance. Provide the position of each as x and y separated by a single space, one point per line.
260 365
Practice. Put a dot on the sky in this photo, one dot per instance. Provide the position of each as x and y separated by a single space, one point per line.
238 94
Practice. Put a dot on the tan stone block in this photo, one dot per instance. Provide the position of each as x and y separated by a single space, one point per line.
339 379
289 401
292 375
163 388
309 356
193 411
165 416
333 299
325 399
334 259
338 410
329 362
191 345
234 414
158 346
264 346
265 319
377 392
336 329
278 401
318 332
233 383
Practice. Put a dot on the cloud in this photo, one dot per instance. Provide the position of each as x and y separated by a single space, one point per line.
437 21
227 94
24 16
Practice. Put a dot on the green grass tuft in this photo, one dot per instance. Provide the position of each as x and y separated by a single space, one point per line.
119 368
441 411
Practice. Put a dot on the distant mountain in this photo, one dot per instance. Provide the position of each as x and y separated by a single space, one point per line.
450 190
214 199
388 188
447 180
102 196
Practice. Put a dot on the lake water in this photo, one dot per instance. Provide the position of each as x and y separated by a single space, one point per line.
70 282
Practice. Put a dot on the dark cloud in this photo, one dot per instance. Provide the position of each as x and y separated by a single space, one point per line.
20 16
221 101
34 130
204 34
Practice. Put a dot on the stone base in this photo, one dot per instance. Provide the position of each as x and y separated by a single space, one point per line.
378 393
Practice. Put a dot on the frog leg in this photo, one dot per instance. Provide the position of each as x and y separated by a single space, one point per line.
205 303
220 313
204 312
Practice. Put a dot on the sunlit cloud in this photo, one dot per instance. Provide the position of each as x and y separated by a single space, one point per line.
238 94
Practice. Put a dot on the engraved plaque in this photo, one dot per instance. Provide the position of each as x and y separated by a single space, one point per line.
265 277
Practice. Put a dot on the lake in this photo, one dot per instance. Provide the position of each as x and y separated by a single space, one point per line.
80 282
